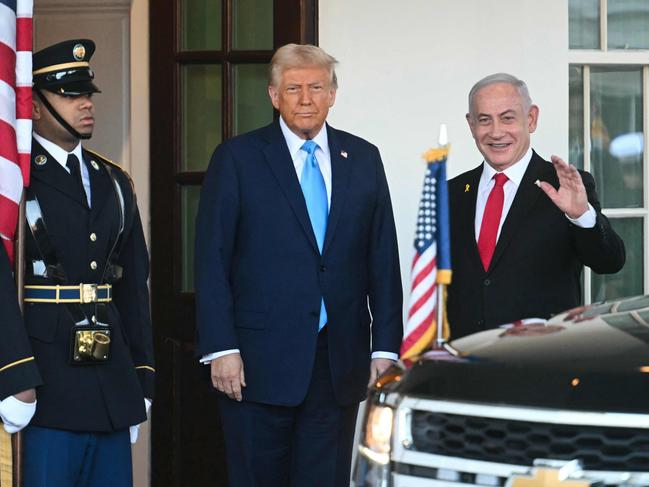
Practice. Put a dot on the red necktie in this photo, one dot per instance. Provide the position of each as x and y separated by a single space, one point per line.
491 220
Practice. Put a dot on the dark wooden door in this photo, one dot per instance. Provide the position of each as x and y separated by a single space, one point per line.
208 82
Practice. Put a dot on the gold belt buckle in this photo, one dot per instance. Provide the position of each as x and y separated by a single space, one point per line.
88 293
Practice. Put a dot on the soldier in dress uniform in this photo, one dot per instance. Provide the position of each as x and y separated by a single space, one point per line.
87 301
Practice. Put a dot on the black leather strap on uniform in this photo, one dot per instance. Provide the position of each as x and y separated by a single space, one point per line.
112 271
36 223
53 269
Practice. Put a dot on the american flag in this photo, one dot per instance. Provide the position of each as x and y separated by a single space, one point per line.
15 111
431 264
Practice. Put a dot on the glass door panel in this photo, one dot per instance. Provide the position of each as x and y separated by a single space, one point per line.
252 107
189 197
576 116
201 25
584 24
252 24
616 135
629 281
201 117
627 24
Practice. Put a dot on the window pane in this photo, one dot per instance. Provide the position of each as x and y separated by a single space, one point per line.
201 114
189 196
627 24
629 280
584 24
201 24
576 117
252 107
616 135
252 24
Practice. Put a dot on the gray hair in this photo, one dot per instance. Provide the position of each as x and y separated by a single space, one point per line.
293 56
493 79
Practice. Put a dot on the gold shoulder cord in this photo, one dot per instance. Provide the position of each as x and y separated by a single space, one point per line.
114 164
103 158
6 459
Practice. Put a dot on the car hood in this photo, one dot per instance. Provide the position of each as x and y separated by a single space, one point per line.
593 358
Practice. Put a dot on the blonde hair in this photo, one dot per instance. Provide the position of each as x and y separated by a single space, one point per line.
293 56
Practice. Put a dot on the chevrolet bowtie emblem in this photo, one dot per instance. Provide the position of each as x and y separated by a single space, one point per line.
467 188
343 153
546 477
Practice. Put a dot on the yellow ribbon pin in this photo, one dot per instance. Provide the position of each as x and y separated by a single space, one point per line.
466 188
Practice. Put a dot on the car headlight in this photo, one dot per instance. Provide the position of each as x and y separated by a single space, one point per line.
378 434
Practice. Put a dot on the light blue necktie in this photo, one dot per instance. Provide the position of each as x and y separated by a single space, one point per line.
315 196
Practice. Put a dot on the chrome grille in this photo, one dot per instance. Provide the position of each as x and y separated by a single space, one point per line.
520 442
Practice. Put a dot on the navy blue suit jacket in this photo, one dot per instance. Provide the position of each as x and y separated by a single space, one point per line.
260 276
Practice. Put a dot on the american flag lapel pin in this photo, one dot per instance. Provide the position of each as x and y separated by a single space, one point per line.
467 188
343 153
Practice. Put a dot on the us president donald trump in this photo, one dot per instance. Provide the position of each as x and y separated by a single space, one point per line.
298 289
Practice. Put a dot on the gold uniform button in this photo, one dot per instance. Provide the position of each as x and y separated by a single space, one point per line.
93 237
93 265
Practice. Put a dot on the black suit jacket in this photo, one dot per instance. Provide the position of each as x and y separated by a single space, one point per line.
536 267
260 276
102 397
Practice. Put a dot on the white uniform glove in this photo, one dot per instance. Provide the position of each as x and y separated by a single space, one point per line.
134 430
16 414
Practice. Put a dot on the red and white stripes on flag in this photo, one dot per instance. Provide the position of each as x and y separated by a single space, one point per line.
431 264
422 306
15 111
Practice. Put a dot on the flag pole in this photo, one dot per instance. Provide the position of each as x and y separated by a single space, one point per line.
442 141
440 315
17 438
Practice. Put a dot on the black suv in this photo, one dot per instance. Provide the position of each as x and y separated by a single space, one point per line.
558 402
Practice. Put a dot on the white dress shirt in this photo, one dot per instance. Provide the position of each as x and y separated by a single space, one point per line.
514 175
323 156
61 156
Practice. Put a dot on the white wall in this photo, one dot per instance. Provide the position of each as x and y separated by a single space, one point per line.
405 67
139 100
138 145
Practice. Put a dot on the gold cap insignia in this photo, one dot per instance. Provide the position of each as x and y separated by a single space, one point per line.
40 160
546 477
94 164
79 52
